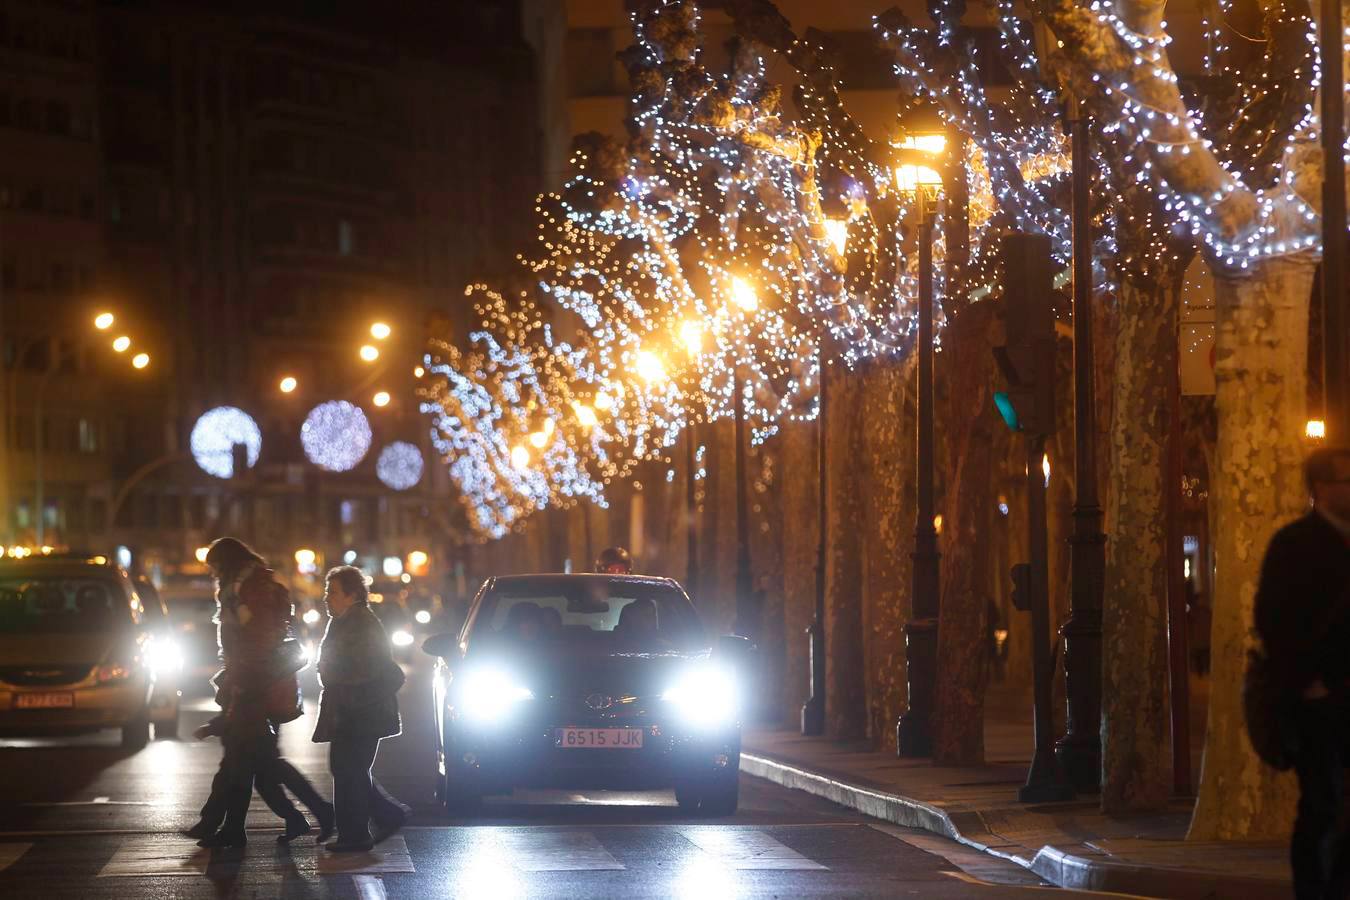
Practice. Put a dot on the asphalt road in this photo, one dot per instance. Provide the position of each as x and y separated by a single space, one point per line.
82 818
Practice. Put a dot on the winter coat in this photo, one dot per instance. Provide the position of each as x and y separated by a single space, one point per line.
1302 612
254 625
360 679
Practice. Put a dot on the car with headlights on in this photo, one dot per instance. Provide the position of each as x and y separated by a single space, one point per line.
587 681
79 652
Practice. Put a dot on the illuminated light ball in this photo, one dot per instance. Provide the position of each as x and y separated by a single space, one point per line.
335 436
399 465
214 436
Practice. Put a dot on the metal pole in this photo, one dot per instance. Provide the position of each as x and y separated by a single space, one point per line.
1080 749
1045 781
1335 386
6 513
1178 668
747 610
690 506
813 711
913 731
39 526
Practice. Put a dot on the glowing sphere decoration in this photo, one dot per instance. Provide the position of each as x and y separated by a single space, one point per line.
215 434
399 465
335 436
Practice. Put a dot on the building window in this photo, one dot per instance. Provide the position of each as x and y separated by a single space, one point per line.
88 436
346 237
347 512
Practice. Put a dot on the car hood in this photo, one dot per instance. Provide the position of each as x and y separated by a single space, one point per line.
60 649
574 672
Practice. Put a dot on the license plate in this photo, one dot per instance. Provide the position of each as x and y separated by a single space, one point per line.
44 701
599 738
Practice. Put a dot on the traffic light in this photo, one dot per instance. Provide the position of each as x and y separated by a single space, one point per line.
1027 360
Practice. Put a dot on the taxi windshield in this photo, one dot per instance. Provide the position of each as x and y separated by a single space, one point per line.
46 605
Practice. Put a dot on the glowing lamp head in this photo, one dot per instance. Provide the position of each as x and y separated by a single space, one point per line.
104 320
1045 468
305 557
520 457
418 559
379 331
585 415
288 384
200 554
121 344
369 353
1316 429
648 367
539 440
381 398
604 401
913 179
836 230
418 371
140 360
743 294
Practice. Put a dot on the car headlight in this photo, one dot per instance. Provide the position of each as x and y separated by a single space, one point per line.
487 695
422 617
401 638
311 616
163 656
705 696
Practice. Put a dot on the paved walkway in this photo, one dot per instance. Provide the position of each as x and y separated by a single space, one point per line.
1070 844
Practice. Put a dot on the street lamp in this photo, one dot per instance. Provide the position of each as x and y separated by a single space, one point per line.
649 367
922 184
379 331
520 457
103 321
369 353
381 398
288 384
121 344
140 360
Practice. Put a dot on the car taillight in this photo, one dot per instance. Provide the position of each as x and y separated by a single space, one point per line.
112 672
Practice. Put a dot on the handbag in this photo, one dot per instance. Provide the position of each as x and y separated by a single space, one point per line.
1264 705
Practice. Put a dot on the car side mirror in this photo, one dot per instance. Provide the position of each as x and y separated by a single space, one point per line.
442 645
735 648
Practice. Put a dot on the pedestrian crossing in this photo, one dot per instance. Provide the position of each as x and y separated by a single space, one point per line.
501 849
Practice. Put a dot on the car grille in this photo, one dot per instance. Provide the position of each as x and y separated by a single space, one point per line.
42 676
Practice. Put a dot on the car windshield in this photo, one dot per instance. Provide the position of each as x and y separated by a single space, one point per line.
624 615
62 605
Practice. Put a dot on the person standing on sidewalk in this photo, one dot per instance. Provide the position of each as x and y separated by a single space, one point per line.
1302 616
357 709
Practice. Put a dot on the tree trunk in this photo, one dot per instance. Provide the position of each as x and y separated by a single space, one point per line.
845 693
1261 353
1135 724
967 553
800 486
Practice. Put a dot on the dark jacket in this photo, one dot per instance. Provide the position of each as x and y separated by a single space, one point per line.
360 679
1302 610
255 618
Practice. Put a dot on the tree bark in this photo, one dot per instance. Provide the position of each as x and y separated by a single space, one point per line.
1261 359
1135 722
800 487
845 690
967 557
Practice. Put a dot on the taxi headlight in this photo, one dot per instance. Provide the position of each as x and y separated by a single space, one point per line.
422 617
401 638
487 695
163 656
705 697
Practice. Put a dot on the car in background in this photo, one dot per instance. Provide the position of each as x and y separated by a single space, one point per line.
587 681
191 602
80 653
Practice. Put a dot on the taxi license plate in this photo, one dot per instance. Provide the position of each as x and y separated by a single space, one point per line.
44 701
599 738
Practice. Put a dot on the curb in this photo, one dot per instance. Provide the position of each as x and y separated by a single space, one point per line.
1059 867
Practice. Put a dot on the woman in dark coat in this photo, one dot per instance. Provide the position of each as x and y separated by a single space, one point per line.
258 691
358 708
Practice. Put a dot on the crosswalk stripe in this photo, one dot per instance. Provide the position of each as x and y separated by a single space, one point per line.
172 856
556 851
10 853
743 848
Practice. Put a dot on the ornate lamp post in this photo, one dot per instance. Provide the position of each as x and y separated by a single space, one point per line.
923 184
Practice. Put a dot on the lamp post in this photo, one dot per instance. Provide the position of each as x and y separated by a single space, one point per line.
914 732
813 711
1080 749
1335 377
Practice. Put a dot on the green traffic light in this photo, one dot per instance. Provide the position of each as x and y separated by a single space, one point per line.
1007 410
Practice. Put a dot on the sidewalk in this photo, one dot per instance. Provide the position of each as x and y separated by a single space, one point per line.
1068 844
